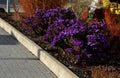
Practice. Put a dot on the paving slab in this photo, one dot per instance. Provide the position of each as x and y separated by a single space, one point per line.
17 62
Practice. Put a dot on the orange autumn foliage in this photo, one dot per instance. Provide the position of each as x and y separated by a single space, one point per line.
29 6
112 24
84 14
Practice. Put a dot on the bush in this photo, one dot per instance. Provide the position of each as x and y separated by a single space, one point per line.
82 42
45 19
79 41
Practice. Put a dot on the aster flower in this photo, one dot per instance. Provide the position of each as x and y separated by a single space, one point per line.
69 50
77 56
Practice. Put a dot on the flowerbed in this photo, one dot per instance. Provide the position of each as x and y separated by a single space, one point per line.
82 45
79 41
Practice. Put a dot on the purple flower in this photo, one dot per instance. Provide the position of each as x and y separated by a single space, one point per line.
97 30
69 50
77 56
89 55
77 42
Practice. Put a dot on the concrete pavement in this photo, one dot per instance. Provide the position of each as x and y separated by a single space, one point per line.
17 62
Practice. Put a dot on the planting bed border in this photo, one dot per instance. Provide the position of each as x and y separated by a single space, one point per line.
54 65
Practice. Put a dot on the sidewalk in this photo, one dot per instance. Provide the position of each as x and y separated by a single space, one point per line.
17 62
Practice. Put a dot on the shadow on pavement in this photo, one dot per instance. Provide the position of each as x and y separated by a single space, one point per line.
8 40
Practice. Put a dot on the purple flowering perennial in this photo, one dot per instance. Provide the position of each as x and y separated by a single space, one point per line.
42 19
89 39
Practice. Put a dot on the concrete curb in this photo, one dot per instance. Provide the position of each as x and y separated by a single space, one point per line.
55 66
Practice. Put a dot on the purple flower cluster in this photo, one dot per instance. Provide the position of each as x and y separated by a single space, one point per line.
42 19
96 38
76 28
62 19
83 40
58 26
